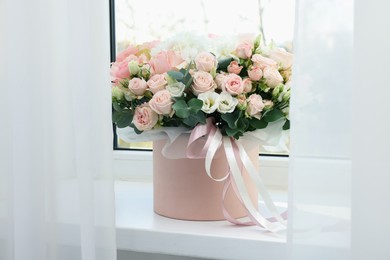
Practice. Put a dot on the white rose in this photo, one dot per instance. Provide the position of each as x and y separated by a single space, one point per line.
176 89
210 101
227 103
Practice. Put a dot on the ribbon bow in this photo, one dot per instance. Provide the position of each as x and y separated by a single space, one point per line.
238 160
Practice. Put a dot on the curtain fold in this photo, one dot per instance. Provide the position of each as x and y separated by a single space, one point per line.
56 186
321 108
339 172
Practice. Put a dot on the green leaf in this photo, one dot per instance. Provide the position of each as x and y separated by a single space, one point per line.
273 115
286 125
135 129
122 119
116 106
195 104
242 125
258 124
200 117
230 131
232 118
187 80
177 75
181 109
180 104
190 121
224 63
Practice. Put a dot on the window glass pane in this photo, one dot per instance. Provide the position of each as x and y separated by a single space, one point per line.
148 20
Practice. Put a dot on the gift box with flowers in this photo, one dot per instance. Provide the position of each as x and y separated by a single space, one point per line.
237 85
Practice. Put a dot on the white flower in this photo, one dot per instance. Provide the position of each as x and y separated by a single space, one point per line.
176 89
187 44
227 103
210 101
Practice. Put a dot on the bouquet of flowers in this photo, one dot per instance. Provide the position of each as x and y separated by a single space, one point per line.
242 84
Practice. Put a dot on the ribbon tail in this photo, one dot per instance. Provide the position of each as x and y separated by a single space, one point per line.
262 189
242 193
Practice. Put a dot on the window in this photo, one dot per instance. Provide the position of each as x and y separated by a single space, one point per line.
135 23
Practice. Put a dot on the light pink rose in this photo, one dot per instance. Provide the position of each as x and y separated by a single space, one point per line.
202 82
244 50
234 67
255 105
247 83
165 61
157 82
268 104
161 102
205 61
137 86
255 73
284 58
233 84
262 62
131 50
272 77
144 118
220 80
120 69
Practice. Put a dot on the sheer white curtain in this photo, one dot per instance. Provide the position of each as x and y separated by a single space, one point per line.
339 186
56 187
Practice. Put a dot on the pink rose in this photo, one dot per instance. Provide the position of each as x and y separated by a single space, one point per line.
233 84
272 77
281 56
164 61
157 82
144 118
142 59
150 45
220 80
244 50
205 61
137 86
202 82
262 62
131 50
120 69
234 67
161 102
247 83
255 73
255 105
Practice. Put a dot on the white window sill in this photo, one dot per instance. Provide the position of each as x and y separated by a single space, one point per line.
140 229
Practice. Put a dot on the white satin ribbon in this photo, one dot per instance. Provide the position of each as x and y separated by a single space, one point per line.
238 181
